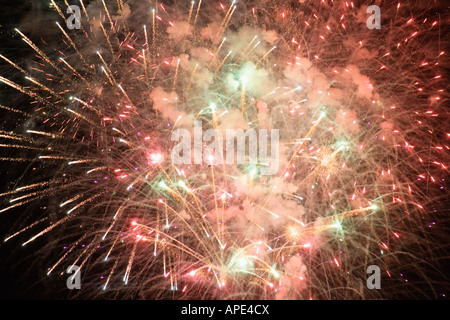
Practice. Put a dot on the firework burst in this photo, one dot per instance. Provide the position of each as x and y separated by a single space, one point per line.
362 161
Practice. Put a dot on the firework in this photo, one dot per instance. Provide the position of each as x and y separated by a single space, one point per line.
362 163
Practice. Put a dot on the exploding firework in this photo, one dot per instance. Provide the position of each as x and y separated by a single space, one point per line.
362 160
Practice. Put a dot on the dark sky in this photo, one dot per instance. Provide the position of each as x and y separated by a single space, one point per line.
21 273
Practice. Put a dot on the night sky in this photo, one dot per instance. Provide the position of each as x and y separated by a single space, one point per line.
23 269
